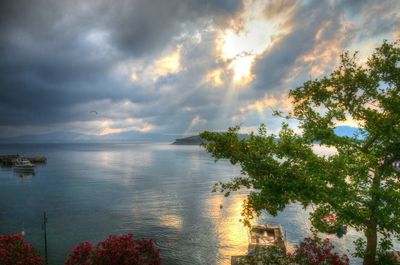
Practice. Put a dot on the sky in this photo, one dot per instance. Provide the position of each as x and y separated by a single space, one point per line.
172 67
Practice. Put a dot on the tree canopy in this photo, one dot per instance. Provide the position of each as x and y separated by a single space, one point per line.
358 184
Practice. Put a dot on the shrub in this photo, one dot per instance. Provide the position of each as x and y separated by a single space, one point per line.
315 251
15 251
266 256
115 250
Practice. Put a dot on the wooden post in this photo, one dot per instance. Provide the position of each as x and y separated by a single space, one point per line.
45 236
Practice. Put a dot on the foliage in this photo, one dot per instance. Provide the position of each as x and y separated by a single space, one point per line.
358 184
310 251
115 250
387 259
15 251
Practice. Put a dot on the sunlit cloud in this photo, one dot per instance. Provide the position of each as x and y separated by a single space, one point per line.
260 111
146 128
108 130
142 71
215 77
268 102
260 105
196 121
106 127
169 64
326 53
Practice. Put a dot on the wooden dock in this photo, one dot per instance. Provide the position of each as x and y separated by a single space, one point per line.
9 160
263 237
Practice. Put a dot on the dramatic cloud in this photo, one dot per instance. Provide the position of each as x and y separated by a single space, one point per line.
171 67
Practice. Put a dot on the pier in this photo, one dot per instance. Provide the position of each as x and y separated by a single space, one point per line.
9 160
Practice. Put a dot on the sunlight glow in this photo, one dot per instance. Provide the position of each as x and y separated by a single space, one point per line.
249 35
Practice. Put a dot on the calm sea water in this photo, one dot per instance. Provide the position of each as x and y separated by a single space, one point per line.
156 191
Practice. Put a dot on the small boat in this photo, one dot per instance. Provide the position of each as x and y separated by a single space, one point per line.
265 236
23 164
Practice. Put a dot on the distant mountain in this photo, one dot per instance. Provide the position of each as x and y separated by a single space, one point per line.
346 130
53 137
72 137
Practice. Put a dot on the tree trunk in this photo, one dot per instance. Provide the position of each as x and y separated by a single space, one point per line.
372 242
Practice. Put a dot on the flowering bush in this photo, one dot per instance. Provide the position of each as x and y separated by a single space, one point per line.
15 251
115 250
310 251
265 256
314 251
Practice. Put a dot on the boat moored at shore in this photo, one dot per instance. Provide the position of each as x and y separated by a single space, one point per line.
23 164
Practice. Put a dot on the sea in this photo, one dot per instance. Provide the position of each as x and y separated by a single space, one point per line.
155 191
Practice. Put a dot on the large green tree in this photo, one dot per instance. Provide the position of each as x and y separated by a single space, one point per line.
358 183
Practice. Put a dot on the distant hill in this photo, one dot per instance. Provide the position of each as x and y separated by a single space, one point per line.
191 140
196 140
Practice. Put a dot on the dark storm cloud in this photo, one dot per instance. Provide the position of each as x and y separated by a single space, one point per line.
140 27
48 64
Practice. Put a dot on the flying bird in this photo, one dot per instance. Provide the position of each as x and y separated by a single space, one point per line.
93 111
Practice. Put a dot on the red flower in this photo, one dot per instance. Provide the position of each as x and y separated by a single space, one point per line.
115 250
318 252
15 251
